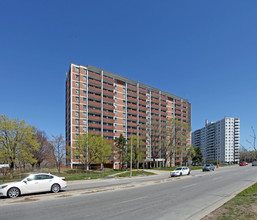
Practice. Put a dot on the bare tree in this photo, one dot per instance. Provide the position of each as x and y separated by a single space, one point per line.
58 150
253 143
43 153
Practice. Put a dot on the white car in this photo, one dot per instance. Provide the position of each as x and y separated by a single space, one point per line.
34 183
180 171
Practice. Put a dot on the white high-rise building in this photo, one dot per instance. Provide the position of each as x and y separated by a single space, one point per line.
219 141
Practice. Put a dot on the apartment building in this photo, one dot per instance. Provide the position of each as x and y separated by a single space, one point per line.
219 141
107 104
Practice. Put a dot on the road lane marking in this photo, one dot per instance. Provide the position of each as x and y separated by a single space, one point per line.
131 200
189 186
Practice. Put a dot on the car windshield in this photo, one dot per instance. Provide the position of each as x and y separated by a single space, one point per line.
179 168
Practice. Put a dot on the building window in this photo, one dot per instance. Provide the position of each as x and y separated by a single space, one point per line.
124 95
124 108
84 92
77 128
115 93
84 70
77 91
84 85
77 106
77 135
76 113
84 107
124 121
77 84
124 89
84 121
84 128
124 114
77 69
85 78
77 98
84 114
77 121
77 76
84 99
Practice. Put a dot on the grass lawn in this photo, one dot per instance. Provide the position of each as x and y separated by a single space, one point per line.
69 174
135 173
242 206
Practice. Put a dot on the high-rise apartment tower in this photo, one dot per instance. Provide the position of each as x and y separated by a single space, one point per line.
107 104
219 141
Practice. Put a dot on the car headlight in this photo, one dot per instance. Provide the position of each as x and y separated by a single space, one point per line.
3 186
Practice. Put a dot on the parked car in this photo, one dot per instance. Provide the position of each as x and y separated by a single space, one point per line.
242 164
254 163
34 183
208 167
180 171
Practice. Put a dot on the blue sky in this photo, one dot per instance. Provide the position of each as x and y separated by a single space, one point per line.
205 51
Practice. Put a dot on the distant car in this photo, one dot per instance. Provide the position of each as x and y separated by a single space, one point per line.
180 171
254 163
243 164
34 183
208 167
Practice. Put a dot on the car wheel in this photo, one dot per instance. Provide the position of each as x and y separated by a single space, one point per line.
55 188
13 192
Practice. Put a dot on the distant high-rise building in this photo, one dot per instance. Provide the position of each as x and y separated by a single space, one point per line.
107 104
219 141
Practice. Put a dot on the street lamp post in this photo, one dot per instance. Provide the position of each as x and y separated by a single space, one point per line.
131 156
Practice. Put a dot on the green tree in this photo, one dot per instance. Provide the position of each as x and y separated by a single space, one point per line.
103 150
198 157
137 151
190 154
120 144
16 142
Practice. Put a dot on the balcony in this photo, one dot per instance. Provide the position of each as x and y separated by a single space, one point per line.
132 93
132 111
132 117
94 89
93 125
106 92
132 124
108 113
132 99
106 99
95 111
108 106
108 127
142 114
108 86
142 102
108 79
94 75
108 134
142 108
132 105
93 96
94 82
133 87
108 120
92 103
94 118
142 96
142 90
155 105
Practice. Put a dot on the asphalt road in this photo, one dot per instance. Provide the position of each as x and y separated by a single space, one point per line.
182 198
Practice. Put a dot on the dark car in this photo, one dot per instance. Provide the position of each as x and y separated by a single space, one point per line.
208 167
254 163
